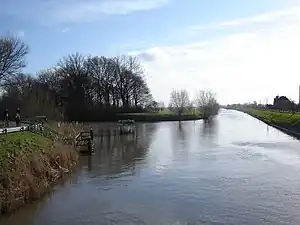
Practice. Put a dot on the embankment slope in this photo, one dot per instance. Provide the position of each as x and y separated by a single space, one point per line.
29 165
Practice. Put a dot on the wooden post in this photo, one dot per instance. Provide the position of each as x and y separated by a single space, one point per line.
91 141
92 134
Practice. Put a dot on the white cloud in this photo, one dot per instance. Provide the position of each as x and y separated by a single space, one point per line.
289 13
81 10
242 66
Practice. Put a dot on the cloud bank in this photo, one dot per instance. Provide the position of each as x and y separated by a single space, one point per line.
253 64
71 11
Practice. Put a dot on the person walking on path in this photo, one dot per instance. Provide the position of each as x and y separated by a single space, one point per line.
18 117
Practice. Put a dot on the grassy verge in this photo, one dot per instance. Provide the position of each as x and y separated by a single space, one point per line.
287 120
158 116
276 117
29 165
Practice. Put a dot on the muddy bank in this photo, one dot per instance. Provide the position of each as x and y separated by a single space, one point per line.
29 165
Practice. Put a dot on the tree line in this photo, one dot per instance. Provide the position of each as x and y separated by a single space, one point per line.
79 87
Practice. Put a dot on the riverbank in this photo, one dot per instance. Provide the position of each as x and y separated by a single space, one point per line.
284 121
157 117
29 165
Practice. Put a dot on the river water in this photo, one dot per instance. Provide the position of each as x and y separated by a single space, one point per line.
235 170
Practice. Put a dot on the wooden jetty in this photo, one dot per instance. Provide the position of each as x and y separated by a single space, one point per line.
84 141
123 128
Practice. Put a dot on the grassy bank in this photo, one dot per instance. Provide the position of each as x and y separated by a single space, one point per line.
158 116
286 120
29 165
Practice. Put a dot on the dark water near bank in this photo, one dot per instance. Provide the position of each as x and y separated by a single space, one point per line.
236 170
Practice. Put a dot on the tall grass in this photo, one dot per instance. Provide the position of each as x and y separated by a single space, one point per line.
276 117
29 165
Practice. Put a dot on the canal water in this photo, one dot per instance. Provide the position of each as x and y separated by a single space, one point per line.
234 170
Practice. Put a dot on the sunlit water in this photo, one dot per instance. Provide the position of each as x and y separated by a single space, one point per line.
236 170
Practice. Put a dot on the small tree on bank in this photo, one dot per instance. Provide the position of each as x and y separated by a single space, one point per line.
206 102
179 101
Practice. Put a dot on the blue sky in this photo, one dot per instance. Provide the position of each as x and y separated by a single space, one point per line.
166 30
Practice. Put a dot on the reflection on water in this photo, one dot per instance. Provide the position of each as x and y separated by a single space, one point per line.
209 128
90 163
119 154
231 170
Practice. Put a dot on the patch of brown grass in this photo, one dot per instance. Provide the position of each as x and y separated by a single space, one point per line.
31 173
68 130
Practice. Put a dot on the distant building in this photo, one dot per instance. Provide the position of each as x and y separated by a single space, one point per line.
283 103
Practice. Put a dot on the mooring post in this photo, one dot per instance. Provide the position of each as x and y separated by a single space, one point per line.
91 141
92 134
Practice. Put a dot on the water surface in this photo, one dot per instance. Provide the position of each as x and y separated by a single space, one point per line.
236 170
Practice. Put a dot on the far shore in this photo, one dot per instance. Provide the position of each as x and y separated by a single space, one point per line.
150 117
156 117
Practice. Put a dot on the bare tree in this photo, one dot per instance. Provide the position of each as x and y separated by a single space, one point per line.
12 57
81 87
206 102
101 70
128 74
50 78
161 105
75 84
179 101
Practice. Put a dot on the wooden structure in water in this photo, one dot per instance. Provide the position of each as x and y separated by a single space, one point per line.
84 142
123 127
126 126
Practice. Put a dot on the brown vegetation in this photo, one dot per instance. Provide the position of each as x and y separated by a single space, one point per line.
30 165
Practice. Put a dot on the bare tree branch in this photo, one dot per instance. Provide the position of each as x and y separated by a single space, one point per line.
12 57
206 102
179 101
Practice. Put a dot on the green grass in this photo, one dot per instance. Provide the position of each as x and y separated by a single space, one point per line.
276 117
29 164
25 142
158 116
163 115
